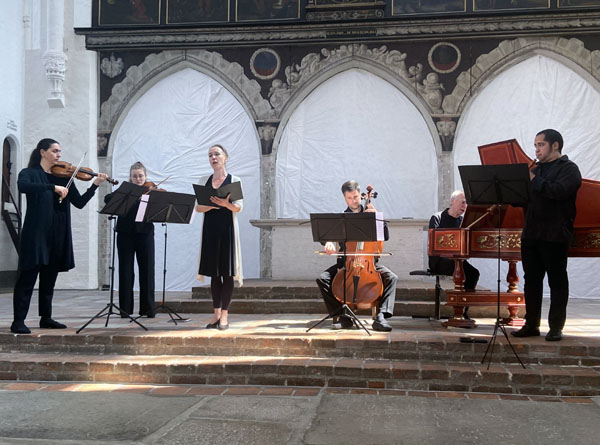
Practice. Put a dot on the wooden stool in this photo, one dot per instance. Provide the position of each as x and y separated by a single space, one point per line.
438 288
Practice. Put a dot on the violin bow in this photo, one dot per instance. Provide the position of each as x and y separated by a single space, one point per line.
156 186
74 174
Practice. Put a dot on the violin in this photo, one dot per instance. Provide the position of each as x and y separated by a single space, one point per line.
149 186
65 170
360 278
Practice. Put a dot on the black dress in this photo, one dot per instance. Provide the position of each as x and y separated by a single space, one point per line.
217 257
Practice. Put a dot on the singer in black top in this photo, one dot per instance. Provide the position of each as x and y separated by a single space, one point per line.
135 240
220 253
547 233
46 245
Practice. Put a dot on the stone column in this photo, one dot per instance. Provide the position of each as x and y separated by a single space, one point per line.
445 179
267 211
55 60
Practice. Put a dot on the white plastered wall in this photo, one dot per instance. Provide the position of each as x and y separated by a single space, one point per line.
170 129
11 108
536 94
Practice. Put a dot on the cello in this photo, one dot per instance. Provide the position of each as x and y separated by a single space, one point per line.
359 278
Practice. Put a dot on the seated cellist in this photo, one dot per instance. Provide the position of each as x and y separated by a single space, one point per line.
351 191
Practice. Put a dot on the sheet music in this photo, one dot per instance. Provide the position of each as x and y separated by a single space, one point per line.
380 226
142 208
203 193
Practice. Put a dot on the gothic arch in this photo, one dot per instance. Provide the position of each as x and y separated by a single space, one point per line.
156 67
570 52
388 65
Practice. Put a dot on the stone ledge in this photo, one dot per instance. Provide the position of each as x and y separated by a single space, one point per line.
443 346
297 371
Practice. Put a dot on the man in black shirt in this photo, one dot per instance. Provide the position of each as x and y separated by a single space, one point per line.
351 191
451 218
547 233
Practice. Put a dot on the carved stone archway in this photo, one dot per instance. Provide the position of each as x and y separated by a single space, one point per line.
155 67
510 52
426 94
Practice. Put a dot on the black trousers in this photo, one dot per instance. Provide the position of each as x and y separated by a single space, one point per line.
445 266
541 258
24 289
388 297
140 246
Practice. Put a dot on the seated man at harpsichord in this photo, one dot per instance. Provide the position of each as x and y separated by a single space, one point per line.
451 218
352 195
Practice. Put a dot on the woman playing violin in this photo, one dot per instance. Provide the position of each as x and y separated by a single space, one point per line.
220 255
46 243
352 196
135 239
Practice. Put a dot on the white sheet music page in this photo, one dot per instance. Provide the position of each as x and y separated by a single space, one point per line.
380 223
139 217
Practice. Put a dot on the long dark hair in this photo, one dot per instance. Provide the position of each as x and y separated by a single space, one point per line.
36 156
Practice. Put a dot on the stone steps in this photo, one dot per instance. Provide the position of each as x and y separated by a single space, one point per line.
302 371
308 290
413 298
405 308
294 342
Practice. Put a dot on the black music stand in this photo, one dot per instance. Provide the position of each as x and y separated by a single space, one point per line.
506 184
122 201
341 228
167 207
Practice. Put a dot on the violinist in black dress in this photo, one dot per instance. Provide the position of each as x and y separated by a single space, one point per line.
46 245
220 254
135 240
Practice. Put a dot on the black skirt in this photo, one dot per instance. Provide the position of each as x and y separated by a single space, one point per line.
217 255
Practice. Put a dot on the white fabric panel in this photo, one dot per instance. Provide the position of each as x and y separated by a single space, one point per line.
536 94
170 130
356 126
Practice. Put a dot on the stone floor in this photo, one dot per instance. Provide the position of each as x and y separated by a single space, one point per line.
45 412
148 414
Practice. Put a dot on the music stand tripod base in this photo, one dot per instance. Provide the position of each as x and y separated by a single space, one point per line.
174 316
108 309
168 207
344 310
496 185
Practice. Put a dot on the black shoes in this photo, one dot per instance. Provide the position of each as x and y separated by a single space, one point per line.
530 331
343 322
48 323
19 328
222 327
554 335
214 325
380 324
526 331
